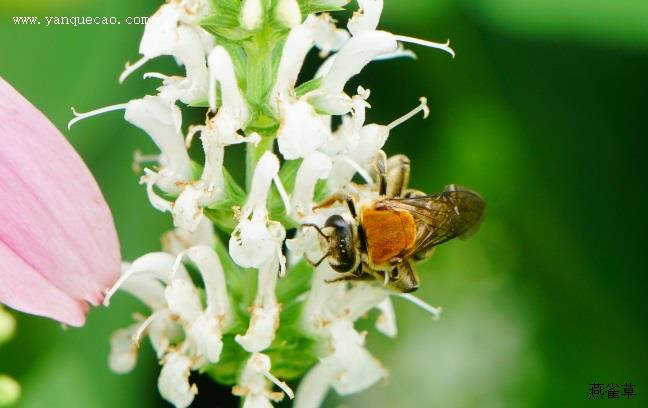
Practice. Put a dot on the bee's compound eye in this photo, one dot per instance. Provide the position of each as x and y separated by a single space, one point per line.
337 222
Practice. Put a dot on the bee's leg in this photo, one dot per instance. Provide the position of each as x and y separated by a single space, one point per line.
316 264
410 193
358 271
336 198
397 176
404 278
350 277
424 254
380 168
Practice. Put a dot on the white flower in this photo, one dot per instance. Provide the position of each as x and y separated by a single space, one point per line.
300 40
331 311
252 243
253 383
179 239
386 321
256 243
221 70
123 349
357 145
302 130
219 132
165 34
162 121
316 31
264 319
316 166
163 284
326 35
173 382
367 17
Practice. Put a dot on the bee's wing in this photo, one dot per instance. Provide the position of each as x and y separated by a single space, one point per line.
455 212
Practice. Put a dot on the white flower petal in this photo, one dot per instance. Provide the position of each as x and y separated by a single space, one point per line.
253 384
159 265
302 130
356 53
367 18
151 178
339 104
351 366
251 244
161 329
123 350
213 276
361 298
183 299
173 382
315 166
189 51
162 120
326 34
266 169
324 299
299 42
206 334
178 239
160 32
263 325
265 311
221 69
159 37
187 209
313 387
147 288
257 401
386 321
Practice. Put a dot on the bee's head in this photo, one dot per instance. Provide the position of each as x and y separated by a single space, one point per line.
341 243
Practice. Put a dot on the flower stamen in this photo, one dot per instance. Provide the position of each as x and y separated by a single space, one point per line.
80 116
434 311
441 46
281 384
130 68
422 107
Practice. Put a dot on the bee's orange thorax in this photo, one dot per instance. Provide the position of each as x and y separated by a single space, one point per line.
389 233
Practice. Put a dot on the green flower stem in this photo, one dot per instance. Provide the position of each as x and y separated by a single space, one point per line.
263 51
253 154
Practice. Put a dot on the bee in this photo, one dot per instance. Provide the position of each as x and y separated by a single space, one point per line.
380 238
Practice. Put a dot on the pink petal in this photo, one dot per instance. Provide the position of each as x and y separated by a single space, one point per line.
34 294
59 245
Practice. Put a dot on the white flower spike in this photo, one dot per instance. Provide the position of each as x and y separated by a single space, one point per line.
210 302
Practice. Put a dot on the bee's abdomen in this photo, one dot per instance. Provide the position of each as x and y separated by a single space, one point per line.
389 234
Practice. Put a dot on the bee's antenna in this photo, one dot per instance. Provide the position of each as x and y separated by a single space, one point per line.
317 228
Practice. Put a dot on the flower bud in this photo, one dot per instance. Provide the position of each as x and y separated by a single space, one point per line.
251 14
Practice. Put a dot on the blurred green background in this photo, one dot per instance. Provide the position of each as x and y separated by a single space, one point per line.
543 111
